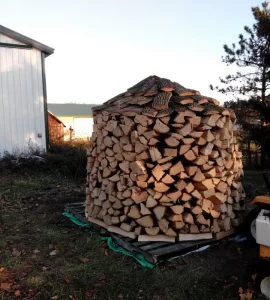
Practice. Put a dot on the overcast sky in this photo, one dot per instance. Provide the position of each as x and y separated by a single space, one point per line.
102 47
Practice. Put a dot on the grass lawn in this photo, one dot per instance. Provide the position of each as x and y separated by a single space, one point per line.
44 256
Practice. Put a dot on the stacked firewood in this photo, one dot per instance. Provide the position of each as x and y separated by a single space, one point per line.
164 164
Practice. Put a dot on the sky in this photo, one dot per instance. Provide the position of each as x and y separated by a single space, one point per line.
103 47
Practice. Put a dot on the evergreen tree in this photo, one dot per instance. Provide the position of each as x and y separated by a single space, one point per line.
252 82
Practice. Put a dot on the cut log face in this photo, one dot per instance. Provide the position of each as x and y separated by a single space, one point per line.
161 127
190 155
187 217
218 198
207 205
161 187
159 212
146 221
139 195
164 165
177 209
137 167
176 169
163 225
139 147
191 170
153 142
155 154
124 166
168 179
158 172
172 142
151 202
174 196
152 230
144 210
134 212
150 134
199 176
185 130
196 210
180 118
184 149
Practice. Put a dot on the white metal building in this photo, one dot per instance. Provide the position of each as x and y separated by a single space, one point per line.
23 99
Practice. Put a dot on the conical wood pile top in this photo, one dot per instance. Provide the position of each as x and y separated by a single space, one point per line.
155 96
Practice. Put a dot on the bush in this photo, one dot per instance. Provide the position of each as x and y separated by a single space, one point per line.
65 159
68 159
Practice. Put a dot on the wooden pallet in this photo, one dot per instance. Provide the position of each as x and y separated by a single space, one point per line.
153 252
77 210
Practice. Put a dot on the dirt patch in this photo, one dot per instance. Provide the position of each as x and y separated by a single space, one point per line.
44 256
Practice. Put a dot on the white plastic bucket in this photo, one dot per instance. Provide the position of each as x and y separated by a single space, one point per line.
265 287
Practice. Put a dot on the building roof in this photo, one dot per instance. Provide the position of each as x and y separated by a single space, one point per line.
55 118
26 40
71 109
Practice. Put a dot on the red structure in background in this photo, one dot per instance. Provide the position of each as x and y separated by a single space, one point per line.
56 128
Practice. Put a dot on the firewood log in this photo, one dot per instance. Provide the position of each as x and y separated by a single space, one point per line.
199 176
144 210
158 172
195 237
156 238
142 184
161 127
145 221
163 225
155 154
161 187
134 212
117 230
174 196
139 195
191 170
177 209
151 202
159 212
167 179
171 152
152 230
187 217
196 210
172 142
176 169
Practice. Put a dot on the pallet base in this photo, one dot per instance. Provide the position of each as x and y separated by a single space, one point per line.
153 252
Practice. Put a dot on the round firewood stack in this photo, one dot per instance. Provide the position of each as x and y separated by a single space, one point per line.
164 164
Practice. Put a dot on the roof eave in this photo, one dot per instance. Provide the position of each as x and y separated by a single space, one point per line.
26 40
53 116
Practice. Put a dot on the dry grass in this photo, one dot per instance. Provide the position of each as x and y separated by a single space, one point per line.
32 228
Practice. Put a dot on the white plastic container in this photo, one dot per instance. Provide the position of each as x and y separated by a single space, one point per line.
263 228
265 287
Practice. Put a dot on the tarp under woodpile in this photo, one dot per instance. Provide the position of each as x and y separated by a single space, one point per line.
164 164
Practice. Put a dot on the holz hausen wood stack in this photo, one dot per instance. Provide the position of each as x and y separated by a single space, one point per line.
164 164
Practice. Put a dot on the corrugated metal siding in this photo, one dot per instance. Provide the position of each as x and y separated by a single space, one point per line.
8 40
21 100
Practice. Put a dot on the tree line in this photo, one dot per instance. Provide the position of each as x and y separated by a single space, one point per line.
249 87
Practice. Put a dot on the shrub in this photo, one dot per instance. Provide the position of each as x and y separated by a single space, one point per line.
65 159
68 159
